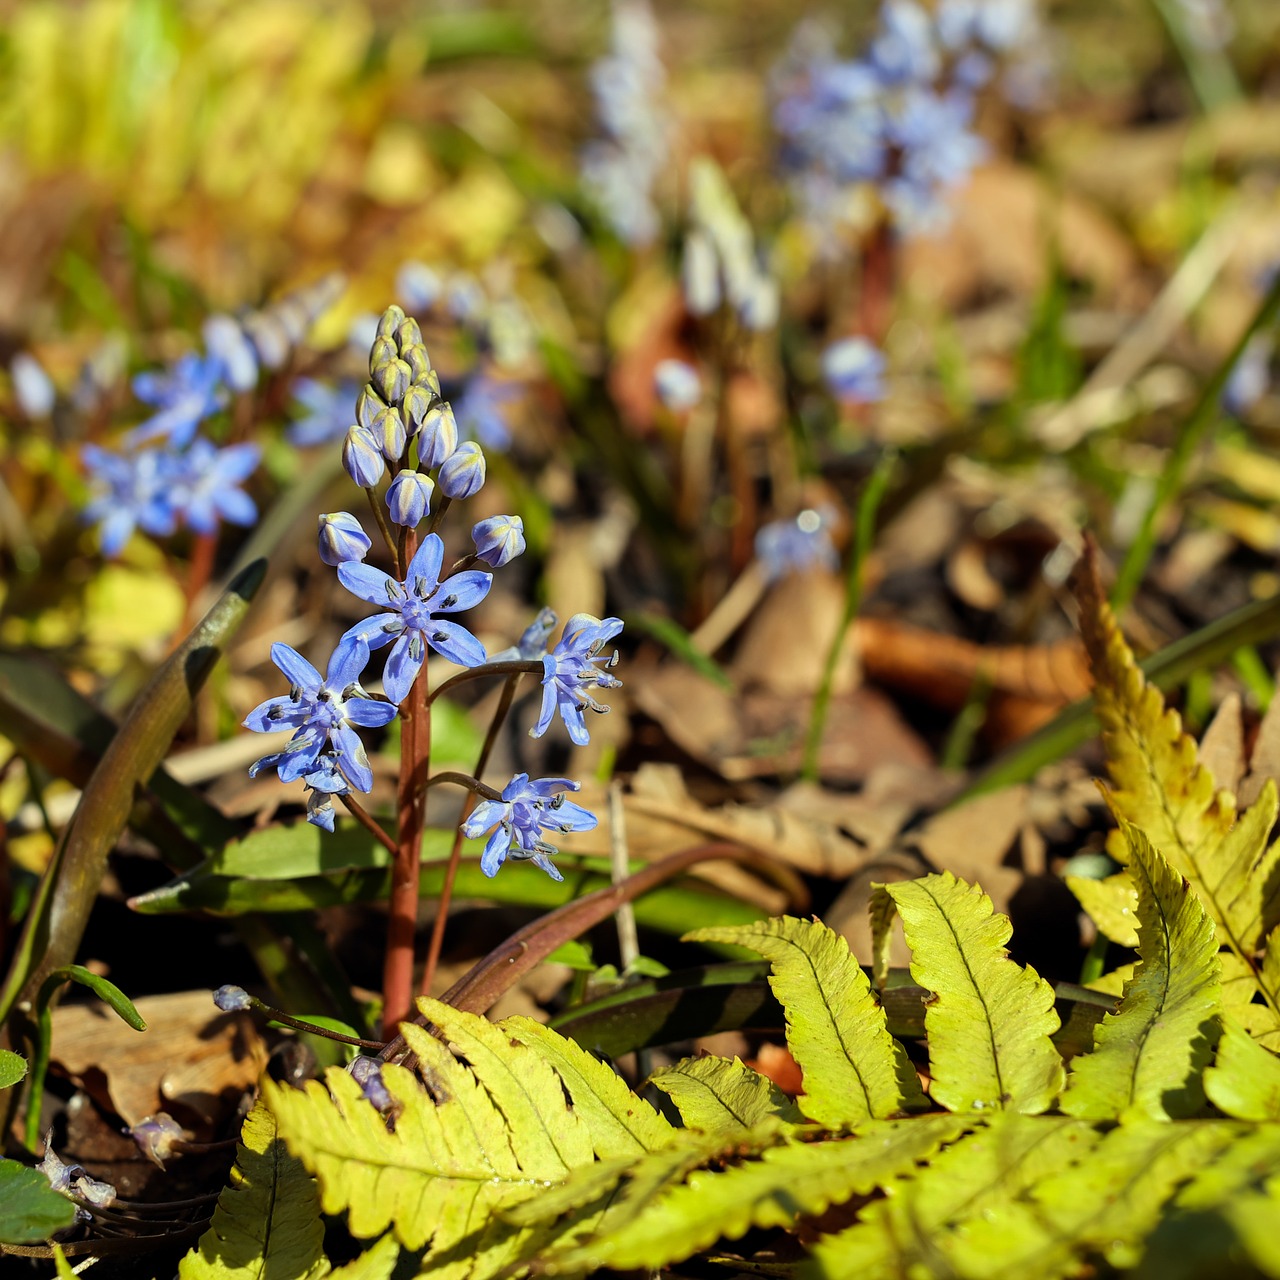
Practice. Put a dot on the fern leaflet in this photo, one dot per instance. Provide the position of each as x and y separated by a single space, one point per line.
836 1030
990 1020
267 1222
1112 904
1244 1081
722 1096
1148 1056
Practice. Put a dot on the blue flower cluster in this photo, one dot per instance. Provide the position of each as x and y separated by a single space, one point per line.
167 475
898 121
619 170
407 435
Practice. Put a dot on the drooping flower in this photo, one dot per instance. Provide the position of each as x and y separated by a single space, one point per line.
412 619
578 663
323 713
157 1136
517 821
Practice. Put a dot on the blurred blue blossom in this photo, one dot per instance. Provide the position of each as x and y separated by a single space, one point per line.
619 170
1251 376
418 287
481 410
32 387
678 385
226 342
904 50
323 713
577 664
128 491
517 821
853 370
184 395
328 411
792 546
532 645
412 619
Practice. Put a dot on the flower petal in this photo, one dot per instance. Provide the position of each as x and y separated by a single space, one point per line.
352 757
301 754
549 700
373 585
276 714
401 670
347 662
376 631
488 813
456 643
470 588
495 852
297 669
369 713
426 563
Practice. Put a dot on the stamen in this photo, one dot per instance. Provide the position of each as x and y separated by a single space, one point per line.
448 602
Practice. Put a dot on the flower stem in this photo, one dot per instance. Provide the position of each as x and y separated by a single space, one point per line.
363 817
455 853
384 527
402 905
517 666
465 780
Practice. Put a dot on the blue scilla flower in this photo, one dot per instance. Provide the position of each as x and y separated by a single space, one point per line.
227 342
322 783
129 491
205 485
183 395
577 664
412 619
328 412
853 370
481 410
792 546
938 151
323 714
904 49
517 821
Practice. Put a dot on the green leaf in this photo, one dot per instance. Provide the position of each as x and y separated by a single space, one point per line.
106 991
620 1123
766 1192
30 1209
267 1222
62 1268
680 642
1005 1156
1244 1080
723 1096
1111 904
836 1029
69 888
1149 1055
377 1263
13 1068
990 1020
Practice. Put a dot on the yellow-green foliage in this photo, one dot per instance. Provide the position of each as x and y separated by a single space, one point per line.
990 1020
1162 788
514 1152
1149 1055
267 1223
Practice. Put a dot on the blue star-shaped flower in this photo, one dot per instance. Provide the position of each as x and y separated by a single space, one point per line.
519 819
323 713
207 482
184 395
570 669
413 620
132 490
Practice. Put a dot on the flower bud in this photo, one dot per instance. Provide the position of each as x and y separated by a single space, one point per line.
392 379
409 498
462 472
382 351
678 385
362 457
438 437
392 318
408 334
389 431
367 1073
231 999
368 405
342 538
415 407
156 1136
499 539
418 361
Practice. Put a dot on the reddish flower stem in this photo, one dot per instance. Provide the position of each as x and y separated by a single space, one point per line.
402 906
455 853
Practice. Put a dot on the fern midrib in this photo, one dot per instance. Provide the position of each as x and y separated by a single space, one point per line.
991 1031
361 1156
276 1145
844 1048
1233 941
1166 978
715 1097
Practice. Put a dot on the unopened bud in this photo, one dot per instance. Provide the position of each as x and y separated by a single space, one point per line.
499 539
342 538
462 472
409 498
391 319
391 380
362 458
438 437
